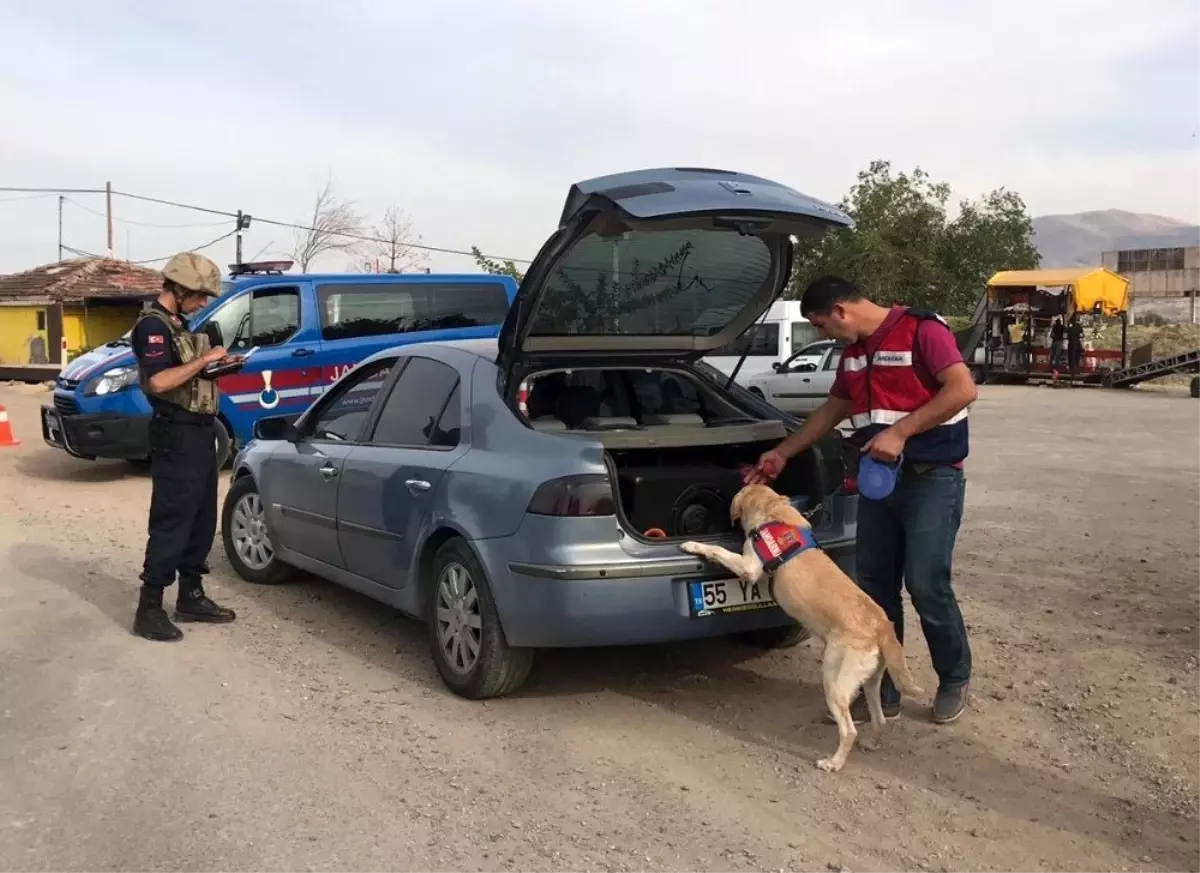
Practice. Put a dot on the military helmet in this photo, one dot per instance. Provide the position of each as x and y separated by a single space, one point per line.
195 273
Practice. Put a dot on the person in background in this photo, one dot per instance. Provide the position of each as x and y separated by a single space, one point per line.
1074 344
1016 342
906 389
1058 344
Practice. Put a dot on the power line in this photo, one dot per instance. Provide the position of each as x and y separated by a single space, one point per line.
191 249
273 222
137 223
27 197
10 190
309 229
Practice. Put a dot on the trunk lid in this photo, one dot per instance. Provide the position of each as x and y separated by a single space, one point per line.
673 262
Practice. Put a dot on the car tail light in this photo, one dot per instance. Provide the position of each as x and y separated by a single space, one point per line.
585 495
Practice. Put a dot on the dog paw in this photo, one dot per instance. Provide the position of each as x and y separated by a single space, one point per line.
828 765
692 548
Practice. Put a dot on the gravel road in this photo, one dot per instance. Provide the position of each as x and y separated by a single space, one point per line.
314 734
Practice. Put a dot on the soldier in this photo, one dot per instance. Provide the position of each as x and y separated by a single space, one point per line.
183 460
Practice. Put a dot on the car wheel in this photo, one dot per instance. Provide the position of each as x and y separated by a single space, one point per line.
776 637
224 443
1194 389
468 645
246 538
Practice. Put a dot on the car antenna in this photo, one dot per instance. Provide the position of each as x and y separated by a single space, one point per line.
745 352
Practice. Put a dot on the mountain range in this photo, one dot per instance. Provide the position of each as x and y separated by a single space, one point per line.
1078 239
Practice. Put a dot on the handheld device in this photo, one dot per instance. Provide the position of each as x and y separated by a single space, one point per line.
216 371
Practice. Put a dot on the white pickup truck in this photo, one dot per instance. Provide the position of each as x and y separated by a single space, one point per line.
801 383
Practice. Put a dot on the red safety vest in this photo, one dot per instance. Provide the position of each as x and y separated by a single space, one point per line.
885 387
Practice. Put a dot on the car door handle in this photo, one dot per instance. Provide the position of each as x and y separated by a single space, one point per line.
417 485
328 471
302 353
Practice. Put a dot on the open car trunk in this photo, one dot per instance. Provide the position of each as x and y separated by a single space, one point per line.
676 447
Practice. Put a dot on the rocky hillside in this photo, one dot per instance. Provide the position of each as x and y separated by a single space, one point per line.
1078 239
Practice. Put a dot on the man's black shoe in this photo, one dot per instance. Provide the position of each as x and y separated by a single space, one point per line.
950 703
151 620
861 715
193 605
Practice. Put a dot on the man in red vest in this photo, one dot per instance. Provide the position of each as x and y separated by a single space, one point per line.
903 385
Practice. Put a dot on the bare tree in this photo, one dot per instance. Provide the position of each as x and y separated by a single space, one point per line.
332 227
394 248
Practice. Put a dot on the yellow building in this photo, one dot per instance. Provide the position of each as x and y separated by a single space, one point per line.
50 314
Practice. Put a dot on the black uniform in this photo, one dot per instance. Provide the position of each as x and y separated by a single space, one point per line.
183 502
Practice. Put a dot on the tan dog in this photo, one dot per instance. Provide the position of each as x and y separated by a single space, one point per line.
860 642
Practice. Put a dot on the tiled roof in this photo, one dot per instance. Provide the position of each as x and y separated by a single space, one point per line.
81 279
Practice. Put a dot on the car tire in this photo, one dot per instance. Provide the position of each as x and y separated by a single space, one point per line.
243 527
457 598
1194 388
776 637
224 443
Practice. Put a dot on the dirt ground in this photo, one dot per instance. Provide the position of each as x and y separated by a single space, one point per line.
314 734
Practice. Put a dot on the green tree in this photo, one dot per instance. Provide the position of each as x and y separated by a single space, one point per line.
496 268
903 248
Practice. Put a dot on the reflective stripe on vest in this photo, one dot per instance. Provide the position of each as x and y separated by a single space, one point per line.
886 388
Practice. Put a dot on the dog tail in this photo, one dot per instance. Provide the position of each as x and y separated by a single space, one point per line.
893 659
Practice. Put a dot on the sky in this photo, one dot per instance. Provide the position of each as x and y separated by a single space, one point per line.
475 117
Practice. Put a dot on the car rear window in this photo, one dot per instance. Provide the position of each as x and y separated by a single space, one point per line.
683 283
349 310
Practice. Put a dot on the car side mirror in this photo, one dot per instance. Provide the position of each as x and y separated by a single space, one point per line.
778 367
276 427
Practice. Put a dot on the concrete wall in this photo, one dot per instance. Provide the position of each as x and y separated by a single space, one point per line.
1170 293
24 335
96 325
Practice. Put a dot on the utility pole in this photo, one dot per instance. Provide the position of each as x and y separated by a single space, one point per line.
243 223
60 210
108 210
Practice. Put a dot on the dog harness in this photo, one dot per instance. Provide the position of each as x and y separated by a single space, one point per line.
776 543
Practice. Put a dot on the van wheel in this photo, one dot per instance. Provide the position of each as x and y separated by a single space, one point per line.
467 642
776 637
244 534
224 443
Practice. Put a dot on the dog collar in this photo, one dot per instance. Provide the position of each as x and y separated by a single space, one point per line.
776 543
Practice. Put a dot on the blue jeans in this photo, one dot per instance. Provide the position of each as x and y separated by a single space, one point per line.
909 537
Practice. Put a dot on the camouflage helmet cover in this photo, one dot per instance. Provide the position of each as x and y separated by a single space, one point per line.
195 273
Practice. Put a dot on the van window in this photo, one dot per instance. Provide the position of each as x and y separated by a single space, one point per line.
762 339
264 317
804 333
349 310
274 315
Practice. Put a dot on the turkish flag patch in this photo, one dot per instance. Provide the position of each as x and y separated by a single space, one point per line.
155 339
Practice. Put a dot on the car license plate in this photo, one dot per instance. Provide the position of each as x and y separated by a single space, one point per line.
727 595
53 426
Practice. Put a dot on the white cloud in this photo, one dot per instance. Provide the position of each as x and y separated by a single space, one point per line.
476 117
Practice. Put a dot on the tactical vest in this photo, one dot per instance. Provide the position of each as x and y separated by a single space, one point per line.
884 387
199 396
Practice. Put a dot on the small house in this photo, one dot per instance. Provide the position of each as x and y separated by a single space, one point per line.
52 313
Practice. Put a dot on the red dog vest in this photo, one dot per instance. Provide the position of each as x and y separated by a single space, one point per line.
776 543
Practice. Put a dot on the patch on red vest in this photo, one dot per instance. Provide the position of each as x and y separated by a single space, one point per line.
776 543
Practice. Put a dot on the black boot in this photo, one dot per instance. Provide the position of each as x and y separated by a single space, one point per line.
193 605
151 620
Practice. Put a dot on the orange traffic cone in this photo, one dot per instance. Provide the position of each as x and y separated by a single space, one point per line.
6 434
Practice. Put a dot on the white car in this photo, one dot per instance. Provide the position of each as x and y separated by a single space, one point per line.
802 382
